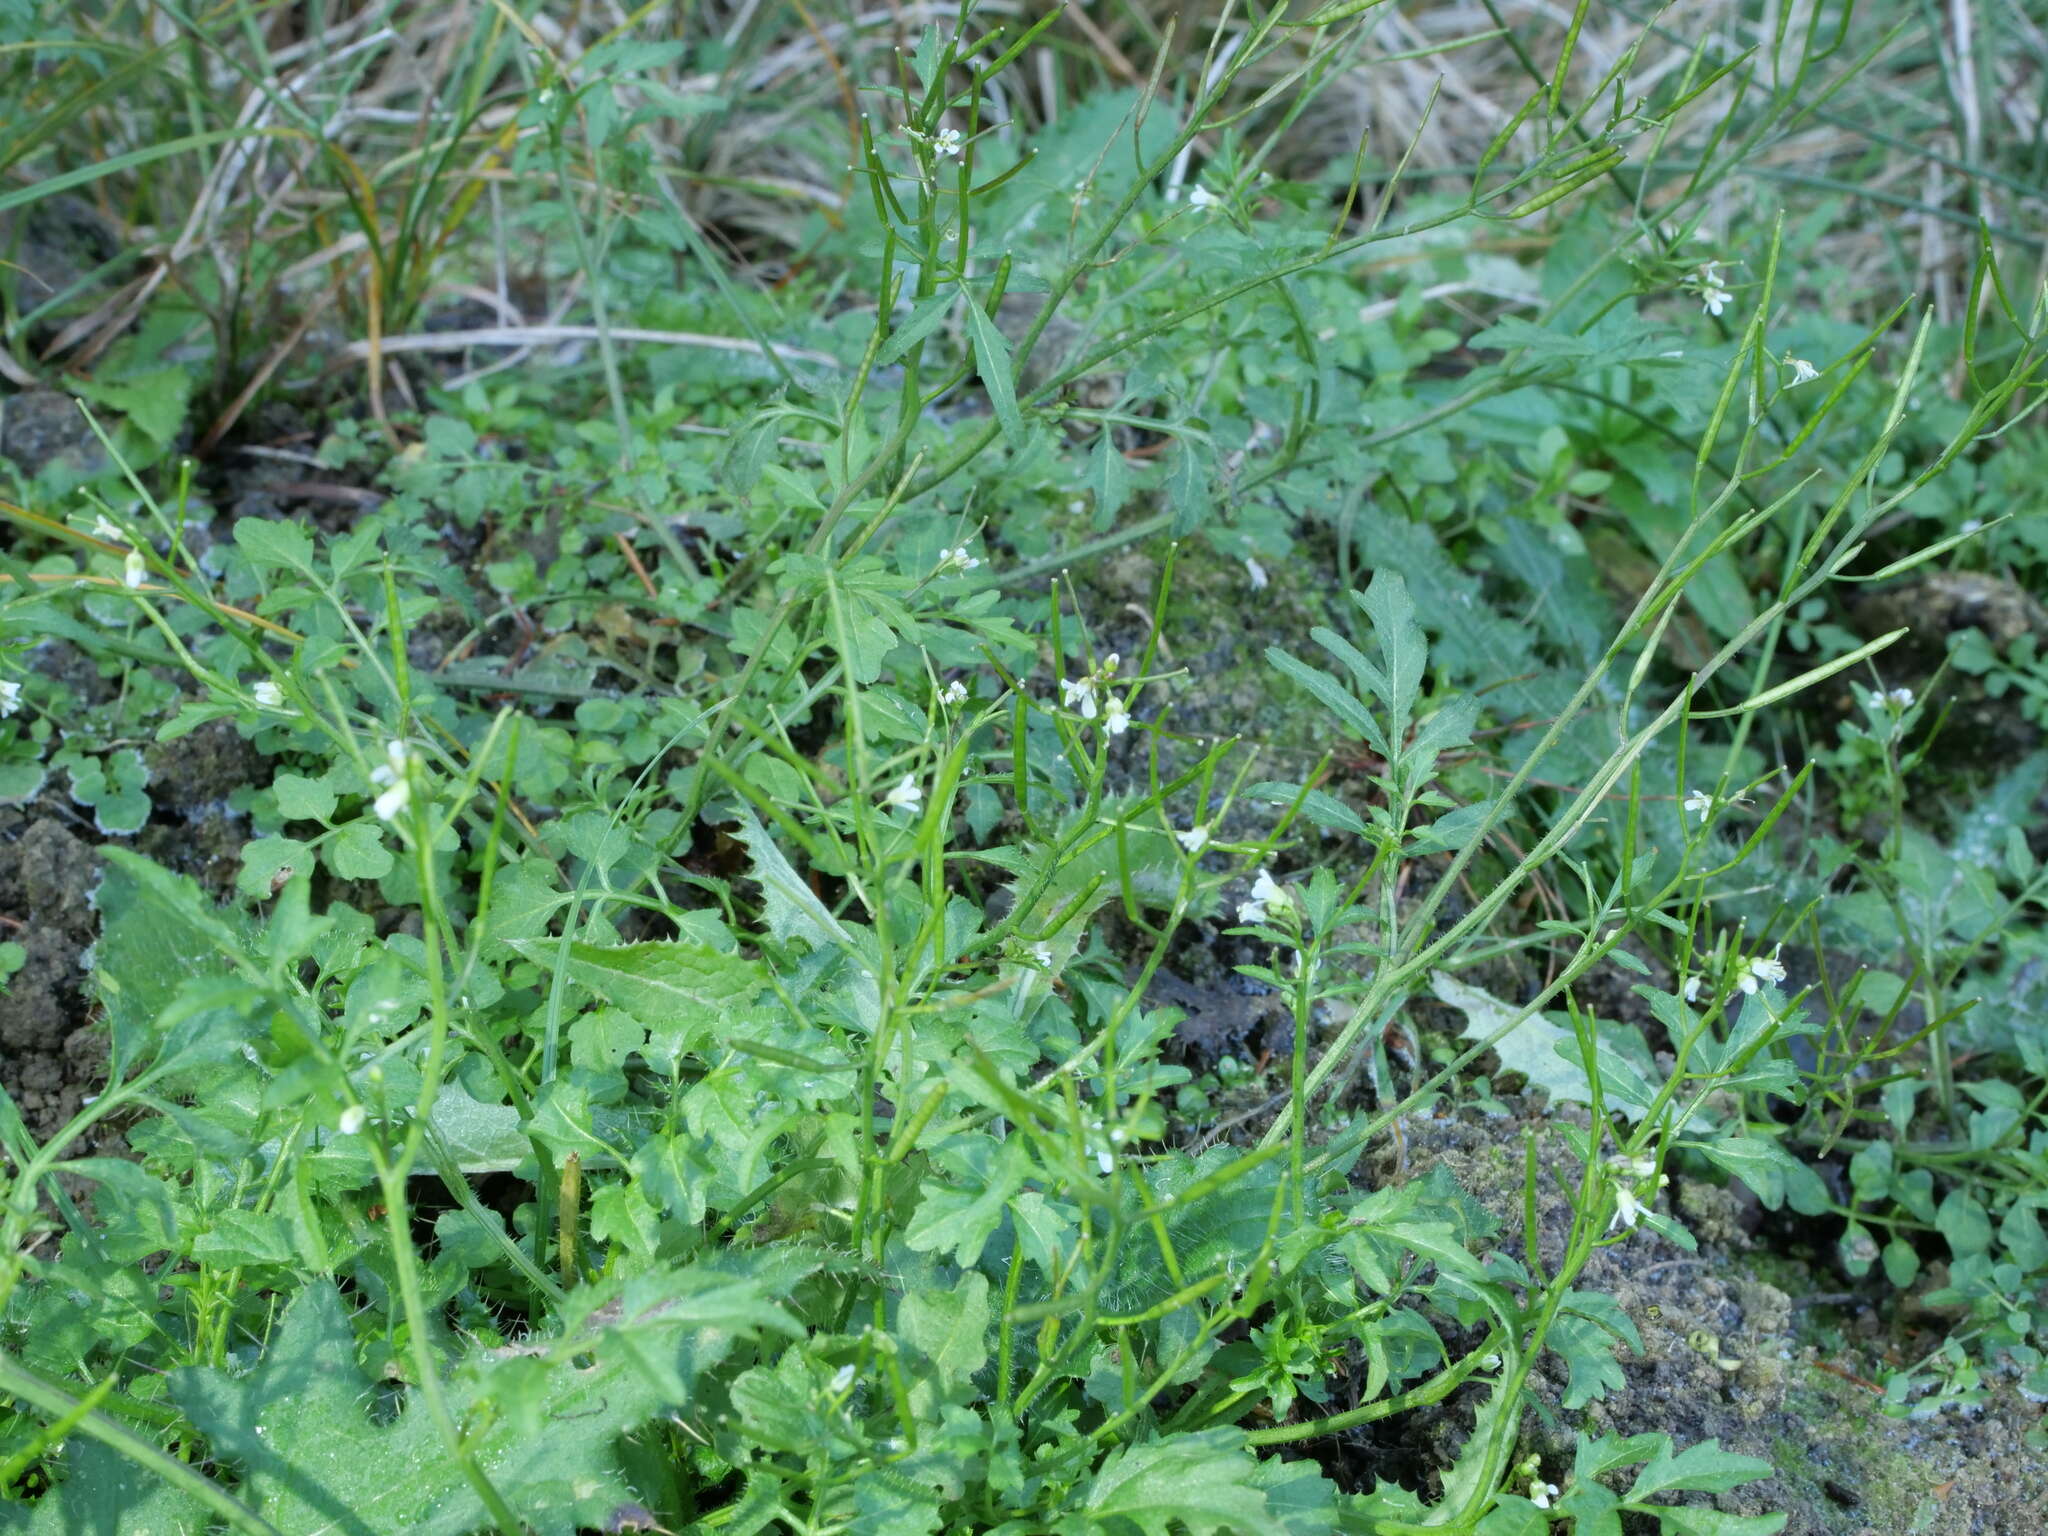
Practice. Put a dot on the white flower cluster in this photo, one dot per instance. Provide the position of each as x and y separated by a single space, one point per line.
958 558
1079 695
1699 802
393 777
1761 969
908 795
10 698
1755 972
1629 1172
1265 892
1707 284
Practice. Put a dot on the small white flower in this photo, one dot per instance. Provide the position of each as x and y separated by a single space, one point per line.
1116 719
1255 573
1761 969
1078 694
908 795
1490 1363
956 559
843 1377
1803 372
1699 801
1971 524
1902 697
353 1119
104 529
1201 197
1628 1210
1541 1493
1076 506
1104 1162
134 570
1042 953
391 773
948 142
954 693
1692 989
267 694
10 698
1714 300
1194 840
1264 893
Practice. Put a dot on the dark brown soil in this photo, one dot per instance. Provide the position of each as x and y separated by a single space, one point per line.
51 1053
1731 1355
49 1058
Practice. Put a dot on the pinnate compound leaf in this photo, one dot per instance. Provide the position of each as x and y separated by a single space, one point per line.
992 362
949 1328
1513 1516
960 1217
1704 1468
1530 1048
298 1427
102 1490
1333 696
1200 1484
1584 1336
1594 1510
657 981
1392 611
1774 1174
1714 1522
788 902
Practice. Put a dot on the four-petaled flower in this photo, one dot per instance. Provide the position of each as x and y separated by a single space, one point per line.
1116 718
1707 284
1264 893
908 795
134 570
10 698
1201 197
1902 697
1194 840
953 693
1702 802
392 776
1628 1210
1803 372
948 142
1762 968
1078 694
267 694
1541 1493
